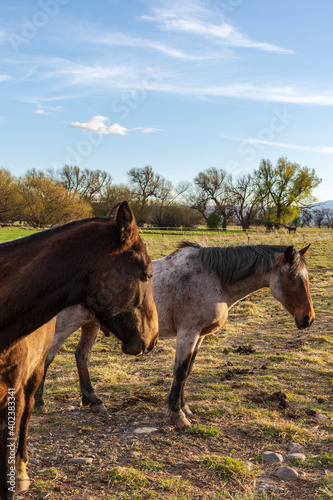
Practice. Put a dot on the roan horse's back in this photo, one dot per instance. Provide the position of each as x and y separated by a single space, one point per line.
185 292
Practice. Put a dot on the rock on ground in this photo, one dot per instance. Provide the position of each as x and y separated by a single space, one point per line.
82 461
272 457
286 473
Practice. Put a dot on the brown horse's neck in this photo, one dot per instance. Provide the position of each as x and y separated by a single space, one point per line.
241 289
42 275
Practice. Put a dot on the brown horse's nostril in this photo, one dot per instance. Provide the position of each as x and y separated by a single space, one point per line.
306 321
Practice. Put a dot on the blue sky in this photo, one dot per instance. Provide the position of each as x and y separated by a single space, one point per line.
181 86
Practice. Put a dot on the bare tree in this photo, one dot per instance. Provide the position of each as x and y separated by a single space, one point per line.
88 184
329 217
110 195
246 199
146 185
319 215
213 185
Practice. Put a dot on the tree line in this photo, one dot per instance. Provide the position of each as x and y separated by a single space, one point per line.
273 195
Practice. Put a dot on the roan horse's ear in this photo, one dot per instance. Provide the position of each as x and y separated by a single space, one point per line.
305 249
288 254
124 218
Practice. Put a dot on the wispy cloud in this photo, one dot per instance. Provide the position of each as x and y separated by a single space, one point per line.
120 39
47 110
5 78
97 124
88 79
313 149
196 19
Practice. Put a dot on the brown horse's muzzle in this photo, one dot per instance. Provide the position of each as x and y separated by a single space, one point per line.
140 348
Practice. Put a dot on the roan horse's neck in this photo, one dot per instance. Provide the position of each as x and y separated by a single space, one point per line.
242 289
41 276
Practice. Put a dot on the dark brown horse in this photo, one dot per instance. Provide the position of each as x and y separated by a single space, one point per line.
291 229
100 263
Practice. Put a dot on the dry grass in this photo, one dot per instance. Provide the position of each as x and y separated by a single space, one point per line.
229 421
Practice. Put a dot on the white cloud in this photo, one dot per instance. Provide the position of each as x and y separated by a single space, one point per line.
193 18
313 149
41 112
97 124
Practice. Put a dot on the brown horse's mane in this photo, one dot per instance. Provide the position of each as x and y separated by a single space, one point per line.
233 264
52 231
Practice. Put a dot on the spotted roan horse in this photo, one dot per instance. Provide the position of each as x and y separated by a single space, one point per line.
100 263
194 288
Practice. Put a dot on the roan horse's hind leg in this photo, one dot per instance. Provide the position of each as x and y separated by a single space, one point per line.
89 334
186 348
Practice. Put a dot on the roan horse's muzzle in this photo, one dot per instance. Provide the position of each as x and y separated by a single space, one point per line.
305 323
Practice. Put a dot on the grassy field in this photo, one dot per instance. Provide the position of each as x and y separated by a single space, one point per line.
219 457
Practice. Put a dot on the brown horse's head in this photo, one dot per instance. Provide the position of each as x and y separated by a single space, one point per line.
289 284
120 288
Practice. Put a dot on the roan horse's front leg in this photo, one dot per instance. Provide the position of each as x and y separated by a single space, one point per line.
89 334
185 408
187 345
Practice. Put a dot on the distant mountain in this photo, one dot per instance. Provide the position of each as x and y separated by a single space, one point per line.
324 204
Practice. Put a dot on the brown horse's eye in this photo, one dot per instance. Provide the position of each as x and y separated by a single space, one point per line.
291 278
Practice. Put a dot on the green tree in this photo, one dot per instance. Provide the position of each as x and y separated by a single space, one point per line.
9 197
44 202
284 188
213 220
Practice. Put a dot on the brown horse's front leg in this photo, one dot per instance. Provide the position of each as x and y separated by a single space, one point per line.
89 334
186 344
22 457
8 431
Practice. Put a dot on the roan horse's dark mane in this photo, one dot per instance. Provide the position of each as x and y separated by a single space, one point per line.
233 264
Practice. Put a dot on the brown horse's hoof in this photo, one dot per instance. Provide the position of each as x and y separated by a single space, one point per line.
187 411
179 420
100 408
22 485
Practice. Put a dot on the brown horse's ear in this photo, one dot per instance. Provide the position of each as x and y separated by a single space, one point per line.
305 249
114 210
288 254
124 219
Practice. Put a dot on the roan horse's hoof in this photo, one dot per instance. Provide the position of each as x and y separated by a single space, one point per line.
179 420
100 408
187 411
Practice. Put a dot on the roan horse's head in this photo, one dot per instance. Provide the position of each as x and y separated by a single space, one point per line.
120 289
289 284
